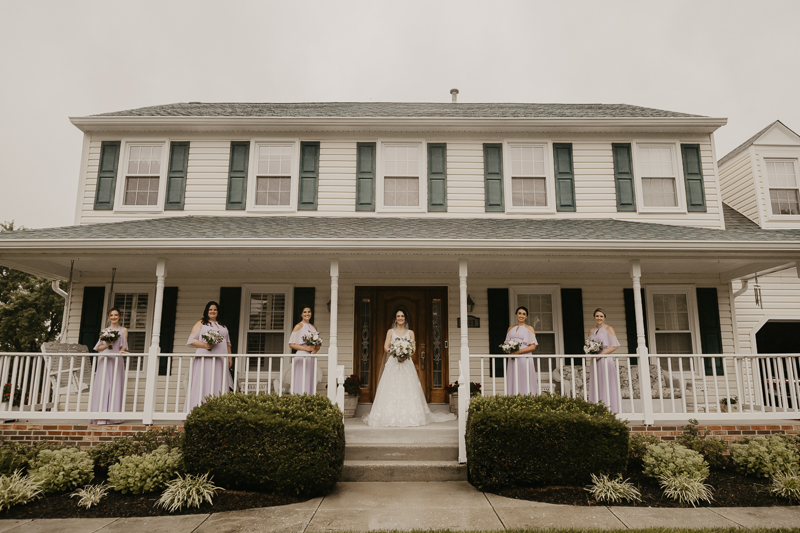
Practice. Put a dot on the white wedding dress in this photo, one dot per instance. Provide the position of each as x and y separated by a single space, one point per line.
400 401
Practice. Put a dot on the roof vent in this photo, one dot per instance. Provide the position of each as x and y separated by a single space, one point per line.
195 102
454 92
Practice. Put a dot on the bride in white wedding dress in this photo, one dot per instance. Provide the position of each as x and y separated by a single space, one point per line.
400 401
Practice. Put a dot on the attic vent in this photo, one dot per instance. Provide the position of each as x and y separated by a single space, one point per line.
454 92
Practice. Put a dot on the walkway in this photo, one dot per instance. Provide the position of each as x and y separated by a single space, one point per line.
405 506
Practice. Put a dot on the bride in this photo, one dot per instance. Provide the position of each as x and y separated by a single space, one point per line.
400 401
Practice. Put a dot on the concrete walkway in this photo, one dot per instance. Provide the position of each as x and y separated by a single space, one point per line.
394 505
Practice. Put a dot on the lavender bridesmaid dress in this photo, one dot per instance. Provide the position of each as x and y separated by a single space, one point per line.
208 376
109 380
521 371
303 377
603 377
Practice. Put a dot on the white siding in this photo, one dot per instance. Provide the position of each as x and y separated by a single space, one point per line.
337 183
780 293
738 185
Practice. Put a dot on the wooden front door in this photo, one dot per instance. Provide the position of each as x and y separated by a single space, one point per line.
426 311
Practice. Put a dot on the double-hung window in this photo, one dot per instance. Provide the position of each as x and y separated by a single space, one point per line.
143 176
528 178
274 186
402 185
266 317
135 305
673 326
784 190
544 315
661 187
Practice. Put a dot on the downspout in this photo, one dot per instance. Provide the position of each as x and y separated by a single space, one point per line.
743 290
67 301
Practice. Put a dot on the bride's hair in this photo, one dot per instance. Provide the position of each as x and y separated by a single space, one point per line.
405 314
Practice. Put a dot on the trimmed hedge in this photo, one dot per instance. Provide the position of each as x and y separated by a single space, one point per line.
291 444
526 441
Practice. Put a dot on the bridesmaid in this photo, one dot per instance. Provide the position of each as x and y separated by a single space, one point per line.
304 367
521 372
109 375
603 377
208 376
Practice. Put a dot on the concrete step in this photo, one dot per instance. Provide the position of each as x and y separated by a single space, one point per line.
401 452
365 471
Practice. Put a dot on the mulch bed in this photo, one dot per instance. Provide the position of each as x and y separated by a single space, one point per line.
730 490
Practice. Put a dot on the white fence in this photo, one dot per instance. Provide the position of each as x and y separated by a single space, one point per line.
61 386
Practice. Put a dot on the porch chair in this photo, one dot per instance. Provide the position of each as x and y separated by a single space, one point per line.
668 390
66 379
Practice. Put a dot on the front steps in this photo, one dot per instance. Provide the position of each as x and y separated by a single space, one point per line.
428 453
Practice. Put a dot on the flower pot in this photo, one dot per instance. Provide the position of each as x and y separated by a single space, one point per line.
734 408
454 403
350 404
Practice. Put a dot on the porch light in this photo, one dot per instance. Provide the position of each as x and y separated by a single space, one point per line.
470 304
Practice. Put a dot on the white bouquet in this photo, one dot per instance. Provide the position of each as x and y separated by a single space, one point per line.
312 338
212 337
510 346
592 347
401 348
109 335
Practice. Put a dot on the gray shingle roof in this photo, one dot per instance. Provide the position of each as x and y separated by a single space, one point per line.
396 109
745 145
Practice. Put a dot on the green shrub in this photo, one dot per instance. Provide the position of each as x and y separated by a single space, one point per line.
15 456
17 489
61 470
291 444
524 441
670 459
637 448
138 474
764 457
711 448
686 488
608 490
110 453
90 495
190 491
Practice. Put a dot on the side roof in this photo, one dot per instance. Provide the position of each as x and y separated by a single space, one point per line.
749 142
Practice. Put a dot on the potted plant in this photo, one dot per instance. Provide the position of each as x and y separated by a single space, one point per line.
352 389
723 403
452 390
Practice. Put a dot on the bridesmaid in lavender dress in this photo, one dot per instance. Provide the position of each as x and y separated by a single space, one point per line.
109 375
521 372
603 377
208 375
305 368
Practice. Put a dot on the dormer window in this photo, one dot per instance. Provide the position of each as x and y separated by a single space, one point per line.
784 195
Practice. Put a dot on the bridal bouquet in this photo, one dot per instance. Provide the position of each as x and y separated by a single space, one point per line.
312 338
109 335
401 349
212 337
592 347
510 346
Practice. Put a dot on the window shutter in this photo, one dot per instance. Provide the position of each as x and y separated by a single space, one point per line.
168 311
710 329
498 326
92 314
365 177
237 176
176 178
693 174
437 177
572 320
630 322
106 177
230 302
493 178
309 176
623 176
565 178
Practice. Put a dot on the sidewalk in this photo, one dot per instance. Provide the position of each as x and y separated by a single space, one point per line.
451 505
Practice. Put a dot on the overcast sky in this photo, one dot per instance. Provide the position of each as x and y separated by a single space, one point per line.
733 59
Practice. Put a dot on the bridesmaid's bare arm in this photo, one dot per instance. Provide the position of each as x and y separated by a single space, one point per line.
199 343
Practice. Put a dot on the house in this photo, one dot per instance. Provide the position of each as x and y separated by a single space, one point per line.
457 213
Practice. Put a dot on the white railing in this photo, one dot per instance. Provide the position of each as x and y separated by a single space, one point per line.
61 386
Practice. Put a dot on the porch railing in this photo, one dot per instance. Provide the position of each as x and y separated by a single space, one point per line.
60 386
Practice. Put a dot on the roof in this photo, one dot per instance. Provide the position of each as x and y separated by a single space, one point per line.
396 110
749 142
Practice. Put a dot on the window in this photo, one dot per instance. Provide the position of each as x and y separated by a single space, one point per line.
266 315
401 182
544 314
135 305
143 176
528 179
673 327
783 186
659 177
274 176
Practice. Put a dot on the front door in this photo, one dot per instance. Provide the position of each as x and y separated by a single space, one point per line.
426 312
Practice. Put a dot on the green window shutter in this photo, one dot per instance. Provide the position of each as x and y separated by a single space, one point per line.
630 322
710 329
92 314
309 176
493 177
437 177
106 176
237 175
176 177
572 322
693 174
565 177
230 305
169 309
365 177
623 176
498 326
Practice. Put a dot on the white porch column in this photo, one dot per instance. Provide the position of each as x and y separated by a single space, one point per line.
464 377
333 347
641 346
155 341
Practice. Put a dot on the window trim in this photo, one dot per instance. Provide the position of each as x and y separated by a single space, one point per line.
148 288
694 323
247 290
422 146
766 187
552 289
549 171
294 175
119 193
680 180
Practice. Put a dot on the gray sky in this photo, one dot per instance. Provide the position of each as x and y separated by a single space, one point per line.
731 58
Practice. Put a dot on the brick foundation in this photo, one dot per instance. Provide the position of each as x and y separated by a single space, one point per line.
85 436
725 432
